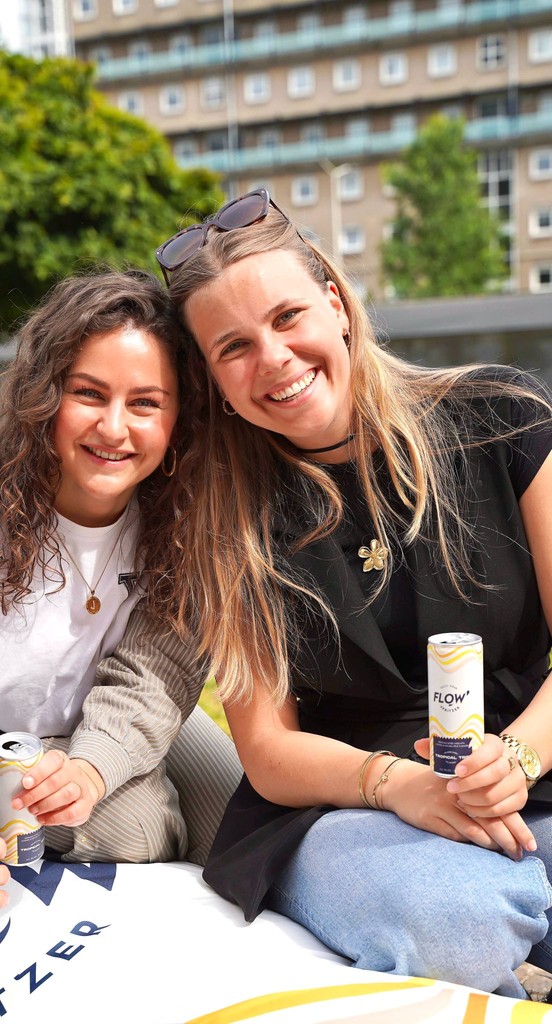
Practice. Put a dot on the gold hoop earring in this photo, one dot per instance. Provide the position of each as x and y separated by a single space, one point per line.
171 470
225 403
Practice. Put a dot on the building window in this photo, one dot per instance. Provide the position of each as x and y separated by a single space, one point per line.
140 49
452 110
171 99
180 43
346 75
308 22
312 132
213 93
357 127
256 88
355 15
540 164
496 176
125 6
301 82
352 241
99 55
400 8
491 52
131 103
441 60
304 191
544 102
492 106
212 35
350 186
393 68
540 278
450 10
540 46
269 138
185 150
265 29
84 10
404 123
216 142
540 222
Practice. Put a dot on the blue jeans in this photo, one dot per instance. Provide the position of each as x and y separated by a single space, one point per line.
393 898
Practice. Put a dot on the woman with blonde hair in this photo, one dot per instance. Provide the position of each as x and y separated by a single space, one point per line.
343 506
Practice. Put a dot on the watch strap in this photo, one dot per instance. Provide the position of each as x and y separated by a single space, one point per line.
514 744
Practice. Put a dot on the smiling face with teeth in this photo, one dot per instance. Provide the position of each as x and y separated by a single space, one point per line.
273 339
117 414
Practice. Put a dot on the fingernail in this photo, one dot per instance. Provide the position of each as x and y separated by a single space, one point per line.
531 845
28 782
17 804
461 770
452 787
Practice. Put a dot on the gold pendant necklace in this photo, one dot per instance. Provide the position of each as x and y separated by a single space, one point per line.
375 556
93 603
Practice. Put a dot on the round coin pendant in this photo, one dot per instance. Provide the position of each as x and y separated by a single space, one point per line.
93 604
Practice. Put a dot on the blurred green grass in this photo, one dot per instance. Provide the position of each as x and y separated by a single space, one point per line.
212 706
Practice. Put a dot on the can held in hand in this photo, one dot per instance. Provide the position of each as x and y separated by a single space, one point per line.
23 834
455 693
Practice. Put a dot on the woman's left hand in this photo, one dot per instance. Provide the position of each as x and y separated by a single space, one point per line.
488 783
60 790
491 786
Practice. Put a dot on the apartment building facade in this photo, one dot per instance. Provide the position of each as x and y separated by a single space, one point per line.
310 98
37 28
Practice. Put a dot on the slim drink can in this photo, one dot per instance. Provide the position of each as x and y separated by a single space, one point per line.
455 696
23 834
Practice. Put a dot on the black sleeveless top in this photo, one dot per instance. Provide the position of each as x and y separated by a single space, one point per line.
370 689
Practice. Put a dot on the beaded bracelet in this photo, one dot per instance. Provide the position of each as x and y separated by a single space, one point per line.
375 753
381 782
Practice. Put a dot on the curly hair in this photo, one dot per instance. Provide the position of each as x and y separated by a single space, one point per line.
47 344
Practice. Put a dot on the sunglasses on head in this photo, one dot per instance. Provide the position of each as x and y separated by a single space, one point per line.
238 213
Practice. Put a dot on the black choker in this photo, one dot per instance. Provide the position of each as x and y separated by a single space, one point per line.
330 448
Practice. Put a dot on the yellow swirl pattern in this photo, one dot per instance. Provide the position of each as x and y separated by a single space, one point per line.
450 661
301 997
477 1004
10 832
21 766
472 726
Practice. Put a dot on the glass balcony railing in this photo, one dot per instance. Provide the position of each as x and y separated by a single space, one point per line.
323 38
501 130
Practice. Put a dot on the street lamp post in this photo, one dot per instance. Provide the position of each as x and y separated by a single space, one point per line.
335 172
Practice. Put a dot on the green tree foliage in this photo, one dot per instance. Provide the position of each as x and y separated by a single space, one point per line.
444 241
80 182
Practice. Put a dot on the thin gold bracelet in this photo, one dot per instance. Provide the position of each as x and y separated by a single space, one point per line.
381 782
375 753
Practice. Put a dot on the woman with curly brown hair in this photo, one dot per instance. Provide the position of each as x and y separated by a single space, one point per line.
345 505
90 438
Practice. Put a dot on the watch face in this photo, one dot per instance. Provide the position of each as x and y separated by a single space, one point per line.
529 761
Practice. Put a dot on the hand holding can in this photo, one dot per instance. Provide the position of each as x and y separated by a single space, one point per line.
20 830
455 697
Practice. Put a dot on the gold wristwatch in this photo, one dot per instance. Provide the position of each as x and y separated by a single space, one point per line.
529 760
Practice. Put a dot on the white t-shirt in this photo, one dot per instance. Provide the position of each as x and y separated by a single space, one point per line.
50 646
